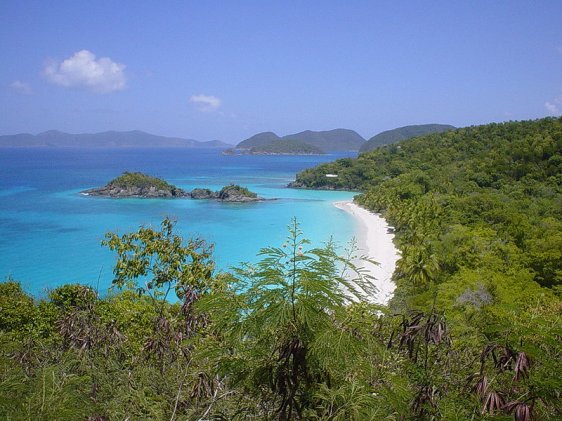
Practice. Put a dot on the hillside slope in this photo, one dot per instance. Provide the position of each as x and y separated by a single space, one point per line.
336 140
330 140
402 133
478 220
505 177
260 139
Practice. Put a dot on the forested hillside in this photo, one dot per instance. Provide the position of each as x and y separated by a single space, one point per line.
478 217
402 133
283 146
317 141
329 140
473 332
260 139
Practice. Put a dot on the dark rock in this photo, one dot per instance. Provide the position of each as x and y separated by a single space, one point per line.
143 186
136 184
142 192
237 194
203 194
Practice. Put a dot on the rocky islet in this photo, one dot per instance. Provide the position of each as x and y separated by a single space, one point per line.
139 185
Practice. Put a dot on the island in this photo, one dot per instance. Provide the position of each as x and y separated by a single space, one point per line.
139 185
389 137
104 140
231 193
304 143
280 147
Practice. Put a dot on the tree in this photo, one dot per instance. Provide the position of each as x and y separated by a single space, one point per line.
286 329
162 261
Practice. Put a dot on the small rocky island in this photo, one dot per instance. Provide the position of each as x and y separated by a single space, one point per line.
139 185
232 193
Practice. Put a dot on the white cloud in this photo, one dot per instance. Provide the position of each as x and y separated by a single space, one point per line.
554 105
206 102
83 70
21 87
552 108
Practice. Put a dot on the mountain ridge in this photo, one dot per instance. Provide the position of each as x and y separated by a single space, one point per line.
325 141
388 137
106 139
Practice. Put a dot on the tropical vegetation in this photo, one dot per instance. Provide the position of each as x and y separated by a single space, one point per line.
234 190
323 141
140 180
472 333
402 133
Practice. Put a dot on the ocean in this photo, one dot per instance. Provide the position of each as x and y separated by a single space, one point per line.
50 234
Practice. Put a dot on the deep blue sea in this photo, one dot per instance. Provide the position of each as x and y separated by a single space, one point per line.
51 235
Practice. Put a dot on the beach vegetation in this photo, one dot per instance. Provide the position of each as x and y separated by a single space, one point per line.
477 218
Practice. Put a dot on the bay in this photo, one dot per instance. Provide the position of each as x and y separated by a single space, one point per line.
50 234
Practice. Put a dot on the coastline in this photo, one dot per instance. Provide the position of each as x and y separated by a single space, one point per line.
376 242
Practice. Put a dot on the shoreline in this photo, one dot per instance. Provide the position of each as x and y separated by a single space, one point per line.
376 242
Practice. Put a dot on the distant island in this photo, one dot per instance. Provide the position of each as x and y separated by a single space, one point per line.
139 185
389 137
109 139
279 147
339 140
303 143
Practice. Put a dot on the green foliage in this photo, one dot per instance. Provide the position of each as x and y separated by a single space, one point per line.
69 296
472 332
331 140
81 357
140 180
287 338
260 139
160 259
402 133
503 178
285 325
477 218
17 310
236 190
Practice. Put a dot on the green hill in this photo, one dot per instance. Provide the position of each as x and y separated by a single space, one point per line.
500 177
331 140
260 139
321 141
402 133
477 217
286 146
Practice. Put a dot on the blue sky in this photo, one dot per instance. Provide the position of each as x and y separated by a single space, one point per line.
227 70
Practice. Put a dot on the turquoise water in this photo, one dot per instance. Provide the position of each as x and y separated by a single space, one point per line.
50 234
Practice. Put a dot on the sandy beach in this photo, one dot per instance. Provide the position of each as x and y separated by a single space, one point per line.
375 241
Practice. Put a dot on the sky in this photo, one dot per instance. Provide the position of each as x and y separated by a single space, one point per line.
226 70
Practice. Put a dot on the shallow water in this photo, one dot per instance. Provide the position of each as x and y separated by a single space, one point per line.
50 234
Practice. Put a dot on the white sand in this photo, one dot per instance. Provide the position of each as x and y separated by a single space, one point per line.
374 241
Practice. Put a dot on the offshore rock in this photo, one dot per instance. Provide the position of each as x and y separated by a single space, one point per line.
203 194
138 185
